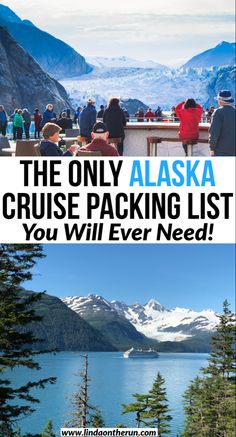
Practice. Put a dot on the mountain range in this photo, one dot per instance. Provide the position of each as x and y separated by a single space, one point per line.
23 83
63 329
155 84
54 56
152 319
152 86
138 83
94 324
221 55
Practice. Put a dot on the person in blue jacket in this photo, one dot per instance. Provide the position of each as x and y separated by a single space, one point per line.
3 121
87 119
48 115
49 144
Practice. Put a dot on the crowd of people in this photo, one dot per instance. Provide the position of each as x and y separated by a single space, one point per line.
113 119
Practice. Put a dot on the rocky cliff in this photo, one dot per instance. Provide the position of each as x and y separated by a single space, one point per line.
54 56
23 83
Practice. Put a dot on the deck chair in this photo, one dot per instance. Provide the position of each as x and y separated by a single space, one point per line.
87 153
5 144
26 148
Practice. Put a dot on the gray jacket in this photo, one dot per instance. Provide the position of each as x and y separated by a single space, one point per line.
222 131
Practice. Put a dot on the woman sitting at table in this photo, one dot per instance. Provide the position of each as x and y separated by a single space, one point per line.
189 113
49 144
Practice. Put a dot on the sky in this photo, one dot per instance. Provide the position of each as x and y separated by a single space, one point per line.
190 276
166 32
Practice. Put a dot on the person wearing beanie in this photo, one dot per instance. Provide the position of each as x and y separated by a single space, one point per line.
222 128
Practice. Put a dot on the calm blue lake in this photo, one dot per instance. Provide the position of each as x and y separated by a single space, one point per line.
113 380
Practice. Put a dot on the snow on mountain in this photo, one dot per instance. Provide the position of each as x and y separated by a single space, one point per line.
221 55
152 86
123 62
92 302
152 319
155 84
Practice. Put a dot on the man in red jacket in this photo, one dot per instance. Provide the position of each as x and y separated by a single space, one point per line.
99 142
189 113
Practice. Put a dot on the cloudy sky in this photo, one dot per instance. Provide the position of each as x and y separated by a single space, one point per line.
167 32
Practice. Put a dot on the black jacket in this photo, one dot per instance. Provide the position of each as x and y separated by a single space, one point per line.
115 120
64 123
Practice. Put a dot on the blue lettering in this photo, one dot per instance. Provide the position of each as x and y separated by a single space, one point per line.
164 175
148 183
178 182
136 168
191 173
208 175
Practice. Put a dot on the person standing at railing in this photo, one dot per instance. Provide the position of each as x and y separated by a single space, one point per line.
115 120
158 114
87 119
209 114
140 115
18 124
222 128
27 122
49 115
77 115
101 112
149 115
37 123
189 114
12 116
173 114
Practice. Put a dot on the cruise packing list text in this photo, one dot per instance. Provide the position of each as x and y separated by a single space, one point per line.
123 200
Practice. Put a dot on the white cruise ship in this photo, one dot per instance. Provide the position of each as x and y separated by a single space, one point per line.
140 353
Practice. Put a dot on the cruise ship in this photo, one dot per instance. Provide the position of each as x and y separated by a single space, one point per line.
140 353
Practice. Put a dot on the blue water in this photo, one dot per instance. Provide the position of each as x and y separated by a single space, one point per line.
10 129
113 380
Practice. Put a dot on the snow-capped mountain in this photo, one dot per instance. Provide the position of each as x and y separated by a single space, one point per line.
152 319
85 304
160 323
123 62
153 86
222 54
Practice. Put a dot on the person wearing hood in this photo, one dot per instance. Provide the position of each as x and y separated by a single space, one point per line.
87 119
27 122
222 128
115 120
3 121
48 115
189 114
